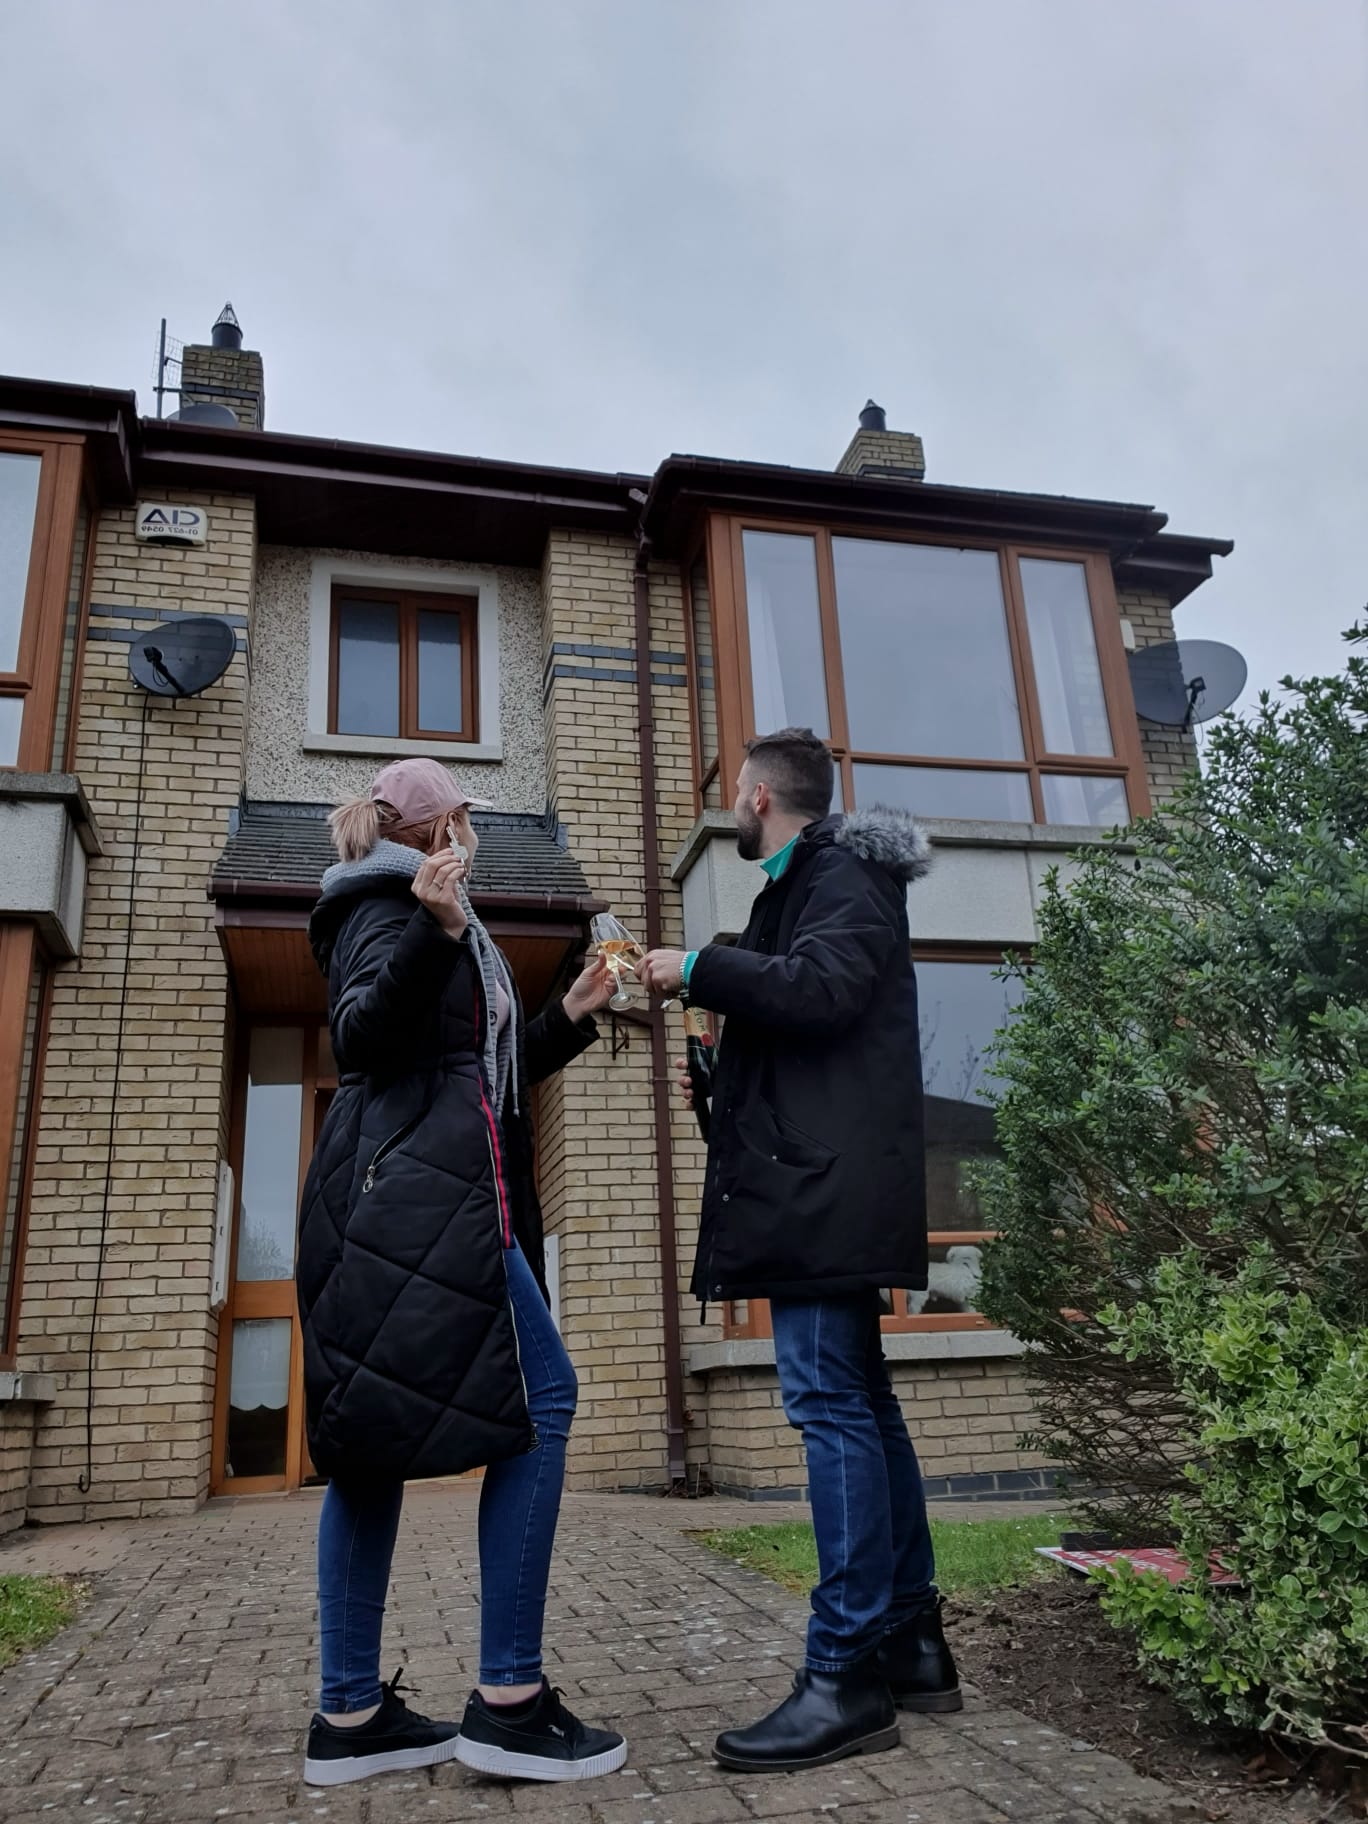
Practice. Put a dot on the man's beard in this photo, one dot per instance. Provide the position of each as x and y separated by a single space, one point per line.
750 835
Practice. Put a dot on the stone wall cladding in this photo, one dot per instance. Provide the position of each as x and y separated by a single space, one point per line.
277 766
156 1340
1169 753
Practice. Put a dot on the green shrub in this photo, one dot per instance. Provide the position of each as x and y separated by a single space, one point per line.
1278 1396
1188 1070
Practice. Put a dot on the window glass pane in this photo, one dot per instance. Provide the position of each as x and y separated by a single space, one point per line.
368 668
270 1153
946 791
1101 802
924 647
71 630
439 672
18 507
13 1189
954 1270
11 720
788 675
961 1007
705 677
1073 707
259 1396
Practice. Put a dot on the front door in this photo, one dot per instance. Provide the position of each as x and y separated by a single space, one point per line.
285 1079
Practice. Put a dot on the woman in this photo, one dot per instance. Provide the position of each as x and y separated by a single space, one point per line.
428 1345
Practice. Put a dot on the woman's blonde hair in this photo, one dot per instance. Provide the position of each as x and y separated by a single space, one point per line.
360 823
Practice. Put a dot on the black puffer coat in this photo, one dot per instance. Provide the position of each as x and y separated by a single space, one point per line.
410 1360
816 1178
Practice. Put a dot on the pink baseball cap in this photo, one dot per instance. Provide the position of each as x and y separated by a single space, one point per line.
422 791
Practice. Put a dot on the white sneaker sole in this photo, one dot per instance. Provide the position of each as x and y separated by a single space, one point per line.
362 1766
482 1757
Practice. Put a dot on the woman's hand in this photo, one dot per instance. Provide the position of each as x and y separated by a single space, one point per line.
683 1082
435 886
591 991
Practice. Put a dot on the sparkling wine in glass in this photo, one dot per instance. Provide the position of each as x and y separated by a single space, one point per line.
619 949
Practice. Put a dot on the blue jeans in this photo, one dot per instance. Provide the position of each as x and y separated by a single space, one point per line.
519 1507
874 1555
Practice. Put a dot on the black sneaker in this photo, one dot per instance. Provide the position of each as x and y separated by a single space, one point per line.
539 1740
393 1741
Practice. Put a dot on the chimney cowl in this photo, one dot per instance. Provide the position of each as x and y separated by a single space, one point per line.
227 331
873 417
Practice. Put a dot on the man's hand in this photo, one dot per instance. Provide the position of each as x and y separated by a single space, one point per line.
683 1084
591 990
435 886
662 971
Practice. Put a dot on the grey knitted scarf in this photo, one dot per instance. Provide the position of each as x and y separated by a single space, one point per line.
391 860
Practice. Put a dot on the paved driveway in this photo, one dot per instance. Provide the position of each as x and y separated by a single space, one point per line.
183 1691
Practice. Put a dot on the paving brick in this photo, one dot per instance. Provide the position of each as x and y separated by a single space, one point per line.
189 1699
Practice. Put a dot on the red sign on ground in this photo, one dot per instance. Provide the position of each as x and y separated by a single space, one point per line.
1168 1563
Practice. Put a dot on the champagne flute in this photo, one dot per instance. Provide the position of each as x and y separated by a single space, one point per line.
619 949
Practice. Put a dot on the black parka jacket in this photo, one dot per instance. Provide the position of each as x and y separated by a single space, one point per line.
816 1179
410 1359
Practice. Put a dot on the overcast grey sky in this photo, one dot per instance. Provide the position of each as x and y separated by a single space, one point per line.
1104 247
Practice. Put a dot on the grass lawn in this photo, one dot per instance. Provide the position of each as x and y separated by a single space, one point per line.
32 1609
970 1554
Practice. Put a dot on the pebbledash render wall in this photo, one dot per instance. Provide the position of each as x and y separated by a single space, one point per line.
287 760
152 1369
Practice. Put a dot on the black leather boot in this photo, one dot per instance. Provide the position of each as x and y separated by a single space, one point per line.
919 1666
828 1716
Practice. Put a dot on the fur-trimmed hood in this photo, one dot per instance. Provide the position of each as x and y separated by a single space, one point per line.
891 838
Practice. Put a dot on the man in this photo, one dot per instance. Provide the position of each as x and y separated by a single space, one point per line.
815 1199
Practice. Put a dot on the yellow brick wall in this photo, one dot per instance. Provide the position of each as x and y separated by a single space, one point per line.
965 1418
155 1348
1169 753
16 1462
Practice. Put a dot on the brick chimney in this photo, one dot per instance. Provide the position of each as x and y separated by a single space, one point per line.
223 372
881 454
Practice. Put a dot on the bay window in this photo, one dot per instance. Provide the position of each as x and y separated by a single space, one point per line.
963 1001
982 682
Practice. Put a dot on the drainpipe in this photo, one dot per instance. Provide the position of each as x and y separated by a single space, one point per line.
660 1076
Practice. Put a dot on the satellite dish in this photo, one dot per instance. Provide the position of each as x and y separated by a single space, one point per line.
184 658
207 411
1186 681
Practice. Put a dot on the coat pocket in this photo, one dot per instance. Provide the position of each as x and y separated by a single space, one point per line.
383 1151
780 1200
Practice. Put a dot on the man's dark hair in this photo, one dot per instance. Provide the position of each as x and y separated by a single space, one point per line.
797 767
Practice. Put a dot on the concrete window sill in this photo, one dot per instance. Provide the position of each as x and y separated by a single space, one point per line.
387 747
27 1389
898 1346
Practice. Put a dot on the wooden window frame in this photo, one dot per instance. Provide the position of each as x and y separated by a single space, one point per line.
900 1321
721 537
21 954
409 603
265 1298
37 670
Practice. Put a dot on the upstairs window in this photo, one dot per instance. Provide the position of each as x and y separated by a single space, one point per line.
45 523
404 665
959 681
